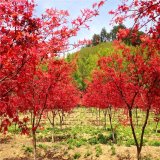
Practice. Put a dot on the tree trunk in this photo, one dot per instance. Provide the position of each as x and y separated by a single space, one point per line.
138 153
31 117
60 120
34 144
134 134
63 117
99 116
53 124
143 127
96 115
110 121
137 116
157 126
105 119
139 145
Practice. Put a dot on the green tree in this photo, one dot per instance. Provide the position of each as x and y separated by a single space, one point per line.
95 39
114 31
103 35
86 61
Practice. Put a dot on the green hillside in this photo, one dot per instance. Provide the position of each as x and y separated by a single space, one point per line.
86 61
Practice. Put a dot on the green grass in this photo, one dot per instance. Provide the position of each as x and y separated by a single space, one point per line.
76 142
13 129
83 133
155 143
43 146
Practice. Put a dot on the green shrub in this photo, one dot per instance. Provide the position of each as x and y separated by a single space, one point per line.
155 143
28 149
113 150
70 147
77 155
98 151
13 129
76 142
130 142
93 140
102 139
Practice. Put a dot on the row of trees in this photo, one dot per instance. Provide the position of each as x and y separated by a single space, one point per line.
128 81
104 36
130 78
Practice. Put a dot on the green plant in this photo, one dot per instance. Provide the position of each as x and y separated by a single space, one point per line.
14 129
87 154
70 147
28 149
56 146
76 155
76 142
102 139
93 140
155 143
98 151
113 150
43 146
130 142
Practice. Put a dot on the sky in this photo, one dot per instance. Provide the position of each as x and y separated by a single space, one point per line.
74 7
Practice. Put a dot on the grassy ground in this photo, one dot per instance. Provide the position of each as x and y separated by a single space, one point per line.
82 137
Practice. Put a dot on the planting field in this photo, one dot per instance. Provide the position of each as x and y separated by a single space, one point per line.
82 136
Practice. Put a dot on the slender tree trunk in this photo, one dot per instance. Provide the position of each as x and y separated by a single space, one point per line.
110 121
60 120
157 126
105 119
137 116
33 134
99 116
31 117
143 127
63 117
138 153
139 145
34 144
134 134
53 124
96 115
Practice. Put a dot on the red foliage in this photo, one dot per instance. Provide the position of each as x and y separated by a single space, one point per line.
144 14
100 92
26 42
64 95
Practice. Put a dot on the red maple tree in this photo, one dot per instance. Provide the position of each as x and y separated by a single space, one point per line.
26 40
136 78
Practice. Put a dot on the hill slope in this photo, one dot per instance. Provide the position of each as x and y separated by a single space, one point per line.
86 61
